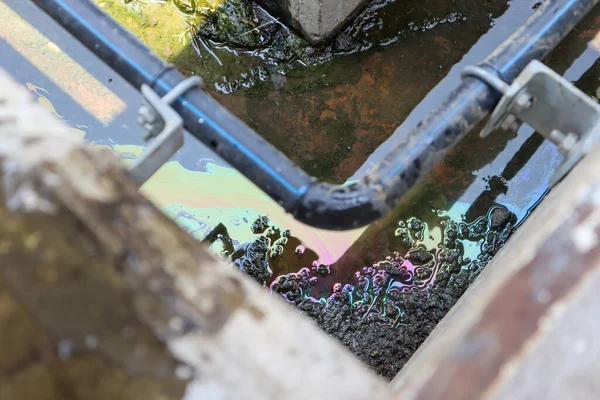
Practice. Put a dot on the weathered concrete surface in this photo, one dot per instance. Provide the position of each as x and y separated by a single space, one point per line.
117 288
318 20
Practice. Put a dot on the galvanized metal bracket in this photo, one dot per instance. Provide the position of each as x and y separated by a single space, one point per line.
164 125
549 104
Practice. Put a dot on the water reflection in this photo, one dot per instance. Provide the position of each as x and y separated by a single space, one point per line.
501 28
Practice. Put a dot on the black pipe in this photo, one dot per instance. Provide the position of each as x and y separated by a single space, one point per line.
320 204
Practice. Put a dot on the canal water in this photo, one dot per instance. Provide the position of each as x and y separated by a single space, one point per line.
335 111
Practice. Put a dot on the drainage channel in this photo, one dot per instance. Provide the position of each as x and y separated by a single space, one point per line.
437 240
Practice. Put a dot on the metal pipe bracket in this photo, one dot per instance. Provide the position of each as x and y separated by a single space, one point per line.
164 125
551 105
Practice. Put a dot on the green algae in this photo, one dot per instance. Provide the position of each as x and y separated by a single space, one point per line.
162 26
186 33
234 23
341 130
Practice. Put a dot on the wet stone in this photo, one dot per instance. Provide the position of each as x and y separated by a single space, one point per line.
253 260
343 43
500 217
260 225
323 269
220 235
420 257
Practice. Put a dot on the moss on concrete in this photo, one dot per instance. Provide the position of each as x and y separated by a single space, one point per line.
161 26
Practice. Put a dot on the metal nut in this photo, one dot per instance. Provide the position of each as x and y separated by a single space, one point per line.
524 101
510 123
564 142
569 142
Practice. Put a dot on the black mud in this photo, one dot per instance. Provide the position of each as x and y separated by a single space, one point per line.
389 308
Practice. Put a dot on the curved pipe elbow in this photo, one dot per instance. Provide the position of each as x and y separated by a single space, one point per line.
342 207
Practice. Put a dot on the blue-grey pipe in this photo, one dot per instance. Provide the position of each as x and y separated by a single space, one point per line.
320 204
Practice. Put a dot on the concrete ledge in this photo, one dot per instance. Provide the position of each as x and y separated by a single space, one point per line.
118 285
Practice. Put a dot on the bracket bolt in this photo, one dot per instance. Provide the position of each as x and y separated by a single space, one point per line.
569 142
564 142
524 101
510 123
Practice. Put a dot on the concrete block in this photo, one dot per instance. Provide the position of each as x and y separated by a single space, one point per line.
317 20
